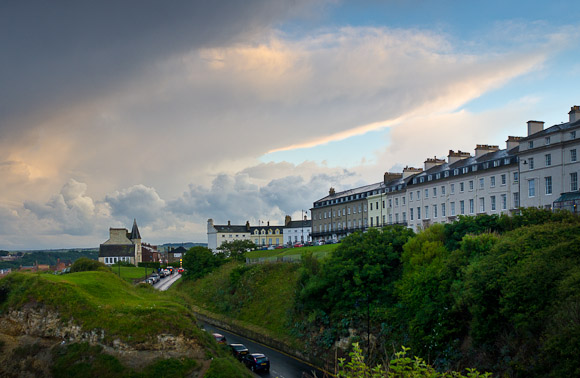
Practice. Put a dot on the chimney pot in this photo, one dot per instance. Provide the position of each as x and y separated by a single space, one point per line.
574 113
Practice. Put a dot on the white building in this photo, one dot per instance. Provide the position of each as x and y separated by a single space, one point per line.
297 231
218 234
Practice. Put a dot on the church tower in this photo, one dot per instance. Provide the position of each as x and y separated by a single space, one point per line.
136 239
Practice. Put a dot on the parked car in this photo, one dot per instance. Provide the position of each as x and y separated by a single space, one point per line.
298 245
239 350
150 281
256 362
155 277
279 247
221 339
320 242
161 273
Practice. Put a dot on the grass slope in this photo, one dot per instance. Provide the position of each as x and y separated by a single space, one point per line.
261 295
101 300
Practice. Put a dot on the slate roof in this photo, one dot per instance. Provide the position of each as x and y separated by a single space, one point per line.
554 129
570 196
232 228
135 231
354 191
299 224
117 250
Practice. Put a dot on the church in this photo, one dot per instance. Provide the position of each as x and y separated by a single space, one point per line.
122 246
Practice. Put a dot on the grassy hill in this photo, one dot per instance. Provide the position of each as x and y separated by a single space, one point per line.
76 324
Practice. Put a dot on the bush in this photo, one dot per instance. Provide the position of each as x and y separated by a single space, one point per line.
84 264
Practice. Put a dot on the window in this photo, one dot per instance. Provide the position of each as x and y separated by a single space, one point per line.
573 155
496 163
548 160
442 209
532 188
471 206
371 222
377 206
572 134
452 188
434 211
492 203
516 200
470 184
452 208
573 181
455 172
481 183
443 190
503 179
390 203
548 184
482 205
365 207
404 216
383 204
371 210
377 219
531 144
462 207
492 181
391 218
547 140
411 213
418 195
531 163
503 201
461 187
426 212
465 169
426 193
434 192
410 196
516 176
403 198
325 215
349 210
418 213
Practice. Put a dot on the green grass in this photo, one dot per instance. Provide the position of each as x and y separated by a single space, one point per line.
100 300
131 273
260 295
318 251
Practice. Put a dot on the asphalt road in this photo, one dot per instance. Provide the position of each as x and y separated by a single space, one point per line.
281 365
166 282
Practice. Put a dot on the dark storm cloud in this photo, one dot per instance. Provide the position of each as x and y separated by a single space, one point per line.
56 52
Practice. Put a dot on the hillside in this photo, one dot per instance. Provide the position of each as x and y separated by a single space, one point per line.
95 324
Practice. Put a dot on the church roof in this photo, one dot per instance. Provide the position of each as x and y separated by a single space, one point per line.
116 250
135 231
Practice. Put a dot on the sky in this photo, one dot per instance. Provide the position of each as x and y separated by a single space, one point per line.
172 113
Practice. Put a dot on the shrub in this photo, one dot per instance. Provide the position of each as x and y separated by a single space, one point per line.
84 264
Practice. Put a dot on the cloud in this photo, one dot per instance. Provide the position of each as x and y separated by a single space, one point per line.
137 202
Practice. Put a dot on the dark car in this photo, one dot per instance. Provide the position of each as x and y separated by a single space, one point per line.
256 362
239 350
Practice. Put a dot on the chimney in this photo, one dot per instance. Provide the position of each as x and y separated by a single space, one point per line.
210 222
388 176
287 220
331 192
456 156
410 171
229 223
512 142
482 149
306 217
535 127
268 223
430 163
248 225
574 113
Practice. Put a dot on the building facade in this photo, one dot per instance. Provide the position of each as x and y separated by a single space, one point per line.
218 234
539 170
297 231
122 245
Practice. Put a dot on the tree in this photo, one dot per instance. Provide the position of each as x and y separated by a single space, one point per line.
199 261
236 249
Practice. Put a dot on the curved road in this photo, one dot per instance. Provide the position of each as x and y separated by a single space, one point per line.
281 364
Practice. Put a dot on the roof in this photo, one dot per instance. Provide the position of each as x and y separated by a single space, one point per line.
179 249
116 250
230 228
135 231
570 196
553 129
299 224
354 191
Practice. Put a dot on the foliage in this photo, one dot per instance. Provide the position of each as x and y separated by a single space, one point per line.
84 264
199 261
236 249
400 367
226 368
48 257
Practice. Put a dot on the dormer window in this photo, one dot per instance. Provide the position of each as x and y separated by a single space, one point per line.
474 168
531 144
465 169
456 172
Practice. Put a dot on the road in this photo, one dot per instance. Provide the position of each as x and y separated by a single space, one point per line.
281 365
165 283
